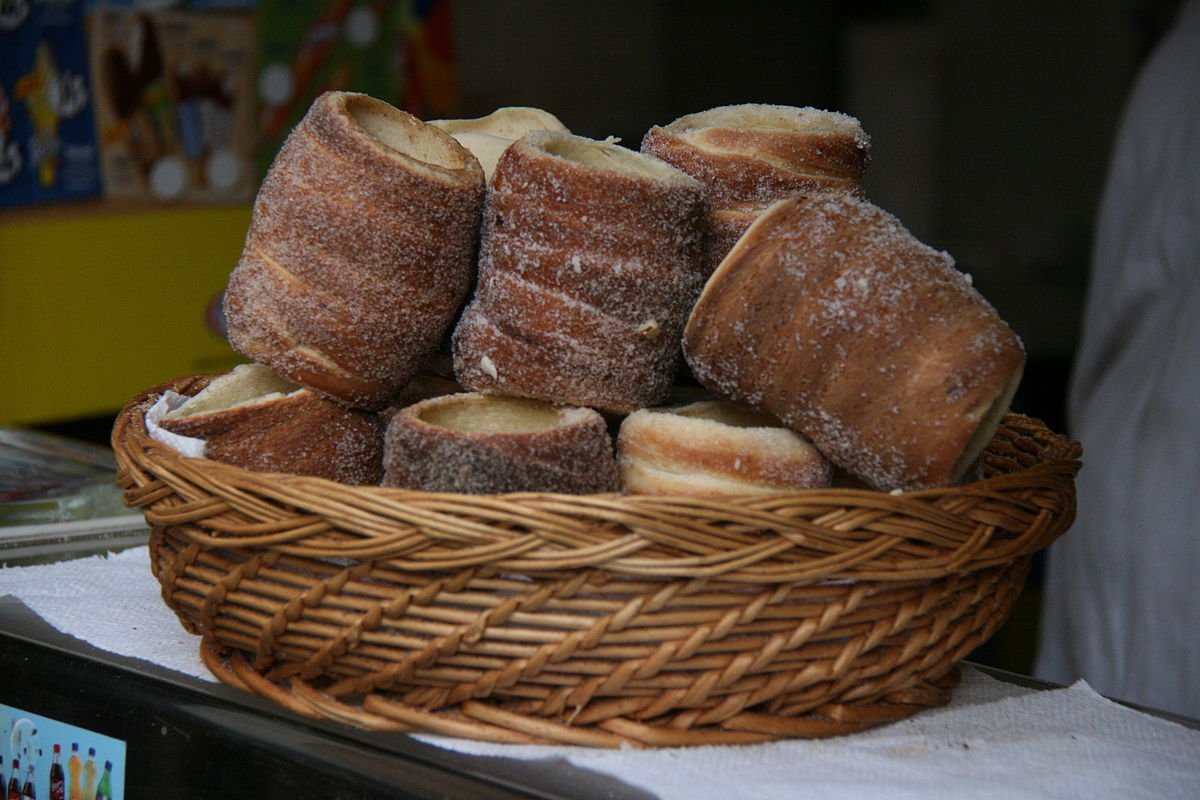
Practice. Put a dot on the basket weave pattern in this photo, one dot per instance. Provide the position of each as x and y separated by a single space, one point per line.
599 620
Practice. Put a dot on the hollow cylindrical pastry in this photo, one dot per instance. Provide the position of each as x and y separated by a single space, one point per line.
589 264
750 155
491 444
714 448
489 136
255 419
360 251
831 316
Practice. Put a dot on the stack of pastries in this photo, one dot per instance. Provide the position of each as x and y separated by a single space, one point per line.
499 305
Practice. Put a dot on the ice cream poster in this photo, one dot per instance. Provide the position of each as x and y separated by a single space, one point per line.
51 760
48 147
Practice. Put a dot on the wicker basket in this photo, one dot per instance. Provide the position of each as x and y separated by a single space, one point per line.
597 620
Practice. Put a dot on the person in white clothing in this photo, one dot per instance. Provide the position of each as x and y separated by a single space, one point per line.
1122 588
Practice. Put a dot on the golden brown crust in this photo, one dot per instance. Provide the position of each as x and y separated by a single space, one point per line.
297 432
760 153
555 361
481 444
714 449
748 156
725 226
588 267
362 132
360 251
829 315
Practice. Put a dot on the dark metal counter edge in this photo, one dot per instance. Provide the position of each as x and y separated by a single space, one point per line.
190 738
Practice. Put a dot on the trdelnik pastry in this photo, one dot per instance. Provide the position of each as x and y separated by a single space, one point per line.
831 316
360 252
751 155
588 266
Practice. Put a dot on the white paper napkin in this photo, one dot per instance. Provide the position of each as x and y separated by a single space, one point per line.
994 740
165 404
113 603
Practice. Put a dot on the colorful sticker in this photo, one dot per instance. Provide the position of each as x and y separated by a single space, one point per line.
45 758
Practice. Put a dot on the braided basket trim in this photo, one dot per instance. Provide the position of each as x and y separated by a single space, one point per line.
1026 502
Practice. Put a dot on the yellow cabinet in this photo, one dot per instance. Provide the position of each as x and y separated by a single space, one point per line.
98 303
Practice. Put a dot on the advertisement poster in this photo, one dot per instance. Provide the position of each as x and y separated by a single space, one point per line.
174 103
47 759
48 147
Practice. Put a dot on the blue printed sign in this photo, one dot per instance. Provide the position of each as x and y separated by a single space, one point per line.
52 760
48 145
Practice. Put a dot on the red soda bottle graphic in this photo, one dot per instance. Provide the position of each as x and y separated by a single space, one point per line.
14 782
75 770
58 782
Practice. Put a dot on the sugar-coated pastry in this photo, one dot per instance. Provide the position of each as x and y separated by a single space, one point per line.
750 155
490 444
831 316
589 264
715 448
255 419
360 251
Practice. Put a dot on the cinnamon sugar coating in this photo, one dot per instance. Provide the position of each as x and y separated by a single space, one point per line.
479 444
297 432
831 316
360 251
750 155
589 265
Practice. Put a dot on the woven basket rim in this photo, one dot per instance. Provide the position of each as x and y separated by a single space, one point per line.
807 536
